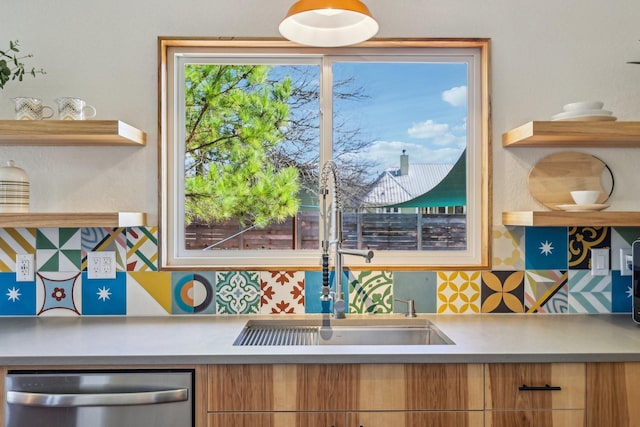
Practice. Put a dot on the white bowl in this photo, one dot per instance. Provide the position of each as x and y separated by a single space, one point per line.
585 197
584 105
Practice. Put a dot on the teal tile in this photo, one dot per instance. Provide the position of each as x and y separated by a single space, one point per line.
420 286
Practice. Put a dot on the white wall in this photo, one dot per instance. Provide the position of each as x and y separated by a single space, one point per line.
545 53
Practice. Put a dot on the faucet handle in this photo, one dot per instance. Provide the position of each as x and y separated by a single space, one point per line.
411 306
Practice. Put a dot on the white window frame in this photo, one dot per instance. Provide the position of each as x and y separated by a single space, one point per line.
174 53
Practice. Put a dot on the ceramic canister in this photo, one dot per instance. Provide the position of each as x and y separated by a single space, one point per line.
14 188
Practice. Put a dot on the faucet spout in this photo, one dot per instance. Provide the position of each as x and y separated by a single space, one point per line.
364 253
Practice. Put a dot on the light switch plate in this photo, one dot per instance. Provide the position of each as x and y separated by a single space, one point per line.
626 262
600 262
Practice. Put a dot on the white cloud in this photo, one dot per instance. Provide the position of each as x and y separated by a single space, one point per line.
387 154
439 134
428 129
456 96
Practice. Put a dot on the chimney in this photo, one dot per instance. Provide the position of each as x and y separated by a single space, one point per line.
404 163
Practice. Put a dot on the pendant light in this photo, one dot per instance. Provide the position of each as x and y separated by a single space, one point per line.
328 23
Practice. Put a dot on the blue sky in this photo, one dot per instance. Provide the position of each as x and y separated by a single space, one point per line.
418 107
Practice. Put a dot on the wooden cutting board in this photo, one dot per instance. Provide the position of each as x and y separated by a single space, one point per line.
553 178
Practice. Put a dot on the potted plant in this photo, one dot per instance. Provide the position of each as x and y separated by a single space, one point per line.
11 65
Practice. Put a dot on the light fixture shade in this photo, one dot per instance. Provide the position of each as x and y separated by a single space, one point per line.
328 23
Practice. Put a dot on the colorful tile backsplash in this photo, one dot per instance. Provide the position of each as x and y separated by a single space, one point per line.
534 270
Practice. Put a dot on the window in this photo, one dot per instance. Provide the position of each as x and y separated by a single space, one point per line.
246 126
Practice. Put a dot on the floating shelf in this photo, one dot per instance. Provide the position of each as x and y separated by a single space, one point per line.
74 219
573 134
70 133
564 218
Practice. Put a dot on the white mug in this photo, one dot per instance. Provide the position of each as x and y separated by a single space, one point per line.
74 109
31 109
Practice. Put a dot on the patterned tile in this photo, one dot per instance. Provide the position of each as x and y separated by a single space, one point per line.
546 248
58 249
16 298
58 293
104 296
370 292
458 292
148 293
503 292
628 234
546 291
619 241
582 240
95 239
420 286
142 249
508 248
193 293
237 292
589 294
15 241
621 293
282 292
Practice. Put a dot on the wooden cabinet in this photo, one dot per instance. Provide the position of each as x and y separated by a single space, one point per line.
277 419
613 395
415 419
535 394
342 394
3 374
572 134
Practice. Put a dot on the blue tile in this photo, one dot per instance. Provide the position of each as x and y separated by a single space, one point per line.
313 286
546 248
620 293
16 298
103 297
420 286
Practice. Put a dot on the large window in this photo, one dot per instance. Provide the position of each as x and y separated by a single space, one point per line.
247 126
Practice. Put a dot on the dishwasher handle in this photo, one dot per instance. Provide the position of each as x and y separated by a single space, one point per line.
70 400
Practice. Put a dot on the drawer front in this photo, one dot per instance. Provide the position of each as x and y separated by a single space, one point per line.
339 387
558 418
276 419
535 386
416 418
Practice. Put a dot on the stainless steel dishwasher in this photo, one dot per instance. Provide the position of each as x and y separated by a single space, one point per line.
99 399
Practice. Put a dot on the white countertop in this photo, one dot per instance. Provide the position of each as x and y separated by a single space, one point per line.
483 338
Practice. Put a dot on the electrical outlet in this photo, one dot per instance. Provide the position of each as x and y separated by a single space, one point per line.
24 268
626 262
101 265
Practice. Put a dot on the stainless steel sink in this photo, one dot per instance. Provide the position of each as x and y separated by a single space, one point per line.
284 332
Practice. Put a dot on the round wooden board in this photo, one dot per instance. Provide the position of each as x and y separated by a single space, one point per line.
553 178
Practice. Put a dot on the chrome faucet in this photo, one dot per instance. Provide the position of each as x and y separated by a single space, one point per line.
330 170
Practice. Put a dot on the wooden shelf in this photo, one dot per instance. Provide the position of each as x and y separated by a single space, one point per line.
75 219
70 132
563 218
574 134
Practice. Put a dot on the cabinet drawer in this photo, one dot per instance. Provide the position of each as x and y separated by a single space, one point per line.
340 387
559 418
276 419
535 386
416 418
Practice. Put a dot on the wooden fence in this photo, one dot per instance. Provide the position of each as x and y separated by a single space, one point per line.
389 231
